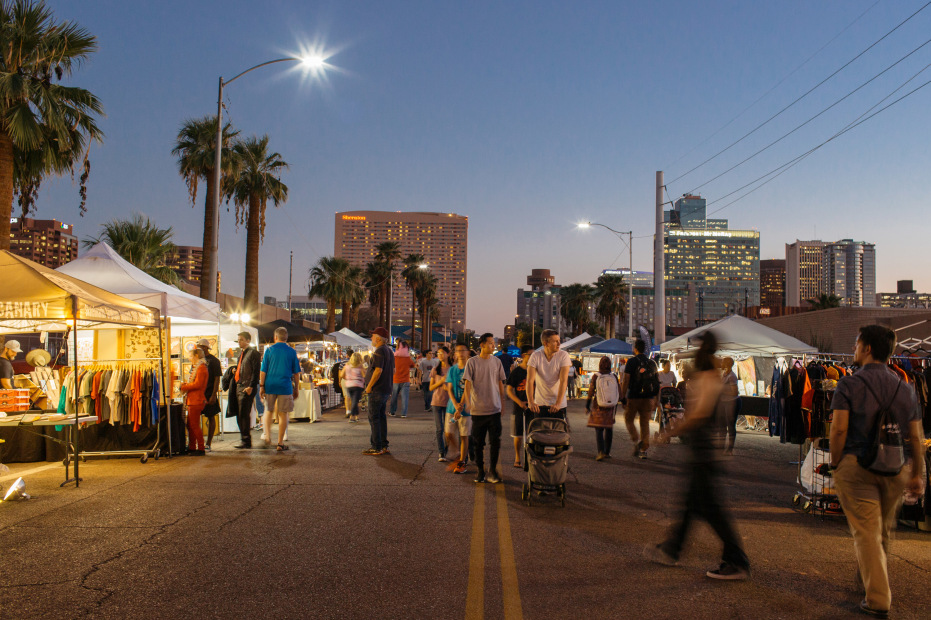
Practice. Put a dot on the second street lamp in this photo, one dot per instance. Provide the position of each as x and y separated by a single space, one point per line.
630 275
314 63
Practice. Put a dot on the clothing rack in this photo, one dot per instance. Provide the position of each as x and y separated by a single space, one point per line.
154 451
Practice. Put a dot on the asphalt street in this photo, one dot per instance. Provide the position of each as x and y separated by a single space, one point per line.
321 531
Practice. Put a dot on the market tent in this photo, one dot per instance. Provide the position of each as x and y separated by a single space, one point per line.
296 333
739 335
35 298
345 337
583 344
103 267
613 346
576 340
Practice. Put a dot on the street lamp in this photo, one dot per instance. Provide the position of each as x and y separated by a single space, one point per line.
311 62
630 279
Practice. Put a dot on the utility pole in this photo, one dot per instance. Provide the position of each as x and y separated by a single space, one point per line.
659 270
290 281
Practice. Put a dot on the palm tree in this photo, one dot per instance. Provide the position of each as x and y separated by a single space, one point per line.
413 275
353 294
45 127
426 298
375 276
142 244
573 305
254 184
824 301
609 293
327 280
195 148
387 253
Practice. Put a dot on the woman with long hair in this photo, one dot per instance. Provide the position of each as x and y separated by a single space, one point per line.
354 383
196 400
439 399
601 418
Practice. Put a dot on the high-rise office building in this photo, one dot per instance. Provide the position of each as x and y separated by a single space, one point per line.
47 242
849 271
804 269
187 261
722 265
442 239
773 283
539 303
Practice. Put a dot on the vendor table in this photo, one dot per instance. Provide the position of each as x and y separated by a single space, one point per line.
307 406
69 422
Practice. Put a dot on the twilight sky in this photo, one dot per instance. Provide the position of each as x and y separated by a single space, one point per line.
525 116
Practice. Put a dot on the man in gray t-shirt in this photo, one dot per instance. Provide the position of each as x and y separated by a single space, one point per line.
871 501
484 391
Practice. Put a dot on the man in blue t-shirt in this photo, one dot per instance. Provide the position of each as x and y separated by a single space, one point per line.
279 381
458 419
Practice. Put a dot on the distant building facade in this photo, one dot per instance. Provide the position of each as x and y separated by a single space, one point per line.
844 268
773 283
187 261
803 271
681 308
47 242
442 238
722 265
539 303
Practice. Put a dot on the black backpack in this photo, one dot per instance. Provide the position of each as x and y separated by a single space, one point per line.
644 383
885 455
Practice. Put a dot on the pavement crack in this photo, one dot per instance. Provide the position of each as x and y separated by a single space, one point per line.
106 593
255 505
32 585
421 468
907 561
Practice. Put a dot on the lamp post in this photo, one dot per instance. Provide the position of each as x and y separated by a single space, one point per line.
311 62
630 279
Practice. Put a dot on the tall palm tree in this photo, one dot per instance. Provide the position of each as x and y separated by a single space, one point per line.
45 127
254 184
353 294
609 293
388 252
426 298
142 243
413 276
195 148
573 305
327 280
375 276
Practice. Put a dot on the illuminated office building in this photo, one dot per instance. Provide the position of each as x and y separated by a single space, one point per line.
722 265
773 283
47 242
442 239
187 261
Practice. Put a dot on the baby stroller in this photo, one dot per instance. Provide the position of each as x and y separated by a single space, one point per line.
672 409
546 457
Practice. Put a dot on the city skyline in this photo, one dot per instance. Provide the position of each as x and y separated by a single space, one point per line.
527 132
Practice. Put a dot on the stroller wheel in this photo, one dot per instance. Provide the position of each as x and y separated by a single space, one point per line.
561 494
525 493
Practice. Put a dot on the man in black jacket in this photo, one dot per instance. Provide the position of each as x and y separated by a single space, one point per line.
246 378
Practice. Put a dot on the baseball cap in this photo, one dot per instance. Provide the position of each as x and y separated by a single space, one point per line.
203 342
13 345
378 331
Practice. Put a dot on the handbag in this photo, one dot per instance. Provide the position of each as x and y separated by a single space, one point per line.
601 417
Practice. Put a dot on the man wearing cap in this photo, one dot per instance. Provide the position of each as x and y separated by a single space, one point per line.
378 385
246 377
10 350
214 374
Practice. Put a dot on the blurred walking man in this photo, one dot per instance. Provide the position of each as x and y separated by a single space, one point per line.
871 501
641 387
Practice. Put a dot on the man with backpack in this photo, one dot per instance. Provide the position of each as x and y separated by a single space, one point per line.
875 415
641 386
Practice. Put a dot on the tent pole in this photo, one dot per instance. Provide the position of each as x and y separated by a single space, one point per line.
77 429
161 363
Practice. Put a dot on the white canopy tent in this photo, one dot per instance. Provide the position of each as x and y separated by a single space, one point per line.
348 338
740 336
572 341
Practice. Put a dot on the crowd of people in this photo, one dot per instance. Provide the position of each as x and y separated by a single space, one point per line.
467 391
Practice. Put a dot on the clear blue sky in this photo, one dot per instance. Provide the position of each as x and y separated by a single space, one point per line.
525 116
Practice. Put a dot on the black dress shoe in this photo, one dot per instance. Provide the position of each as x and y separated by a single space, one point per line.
196 452
243 446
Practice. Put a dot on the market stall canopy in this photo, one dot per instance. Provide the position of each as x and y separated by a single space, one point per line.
581 345
737 334
296 333
612 346
576 340
345 337
103 267
35 298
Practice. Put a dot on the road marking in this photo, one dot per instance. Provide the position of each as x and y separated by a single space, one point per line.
475 595
509 590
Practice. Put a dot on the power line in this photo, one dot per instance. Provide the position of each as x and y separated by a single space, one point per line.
808 92
786 135
777 85
792 162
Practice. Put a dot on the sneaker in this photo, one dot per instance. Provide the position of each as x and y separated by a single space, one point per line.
493 479
642 454
208 448
443 459
729 572
371 452
385 451
480 479
460 468
876 613
243 446
657 555
392 414
404 416
600 456
607 456
637 449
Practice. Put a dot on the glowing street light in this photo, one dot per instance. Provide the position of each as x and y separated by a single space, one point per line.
630 279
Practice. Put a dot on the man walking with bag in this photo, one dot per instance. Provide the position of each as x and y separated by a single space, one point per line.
869 462
641 385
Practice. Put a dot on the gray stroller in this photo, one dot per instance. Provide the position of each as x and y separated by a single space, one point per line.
546 458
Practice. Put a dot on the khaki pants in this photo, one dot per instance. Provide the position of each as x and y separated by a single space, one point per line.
871 503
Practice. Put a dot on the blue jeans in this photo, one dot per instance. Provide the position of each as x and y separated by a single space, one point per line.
355 393
404 391
439 419
377 420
